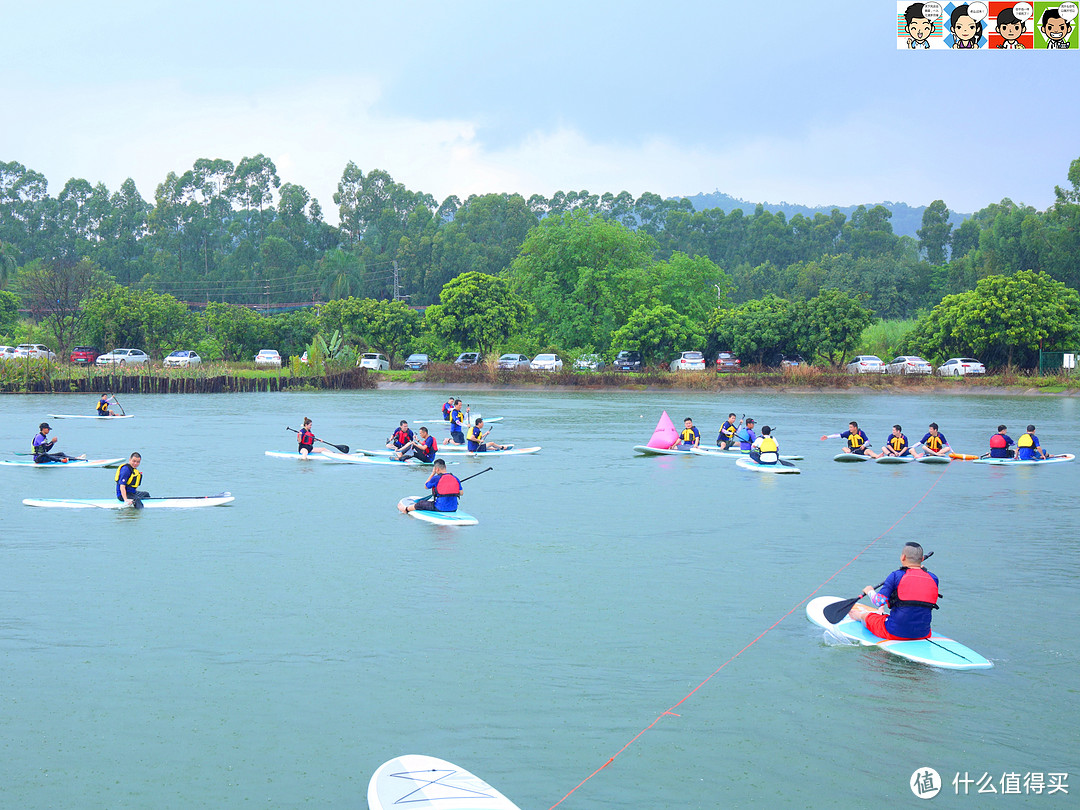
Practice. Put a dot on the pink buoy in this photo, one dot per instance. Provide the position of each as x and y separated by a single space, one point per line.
665 434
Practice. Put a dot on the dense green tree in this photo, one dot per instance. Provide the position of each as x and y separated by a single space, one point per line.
756 330
122 316
9 313
476 310
658 332
55 293
935 232
239 331
830 325
388 326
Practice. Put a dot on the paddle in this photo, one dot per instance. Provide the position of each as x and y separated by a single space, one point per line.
343 448
836 612
118 405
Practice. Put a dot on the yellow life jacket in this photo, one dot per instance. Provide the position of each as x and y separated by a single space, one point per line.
934 442
1025 441
474 434
132 481
897 443
687 435
855 441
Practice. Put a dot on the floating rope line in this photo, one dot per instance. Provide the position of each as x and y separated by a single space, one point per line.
671 711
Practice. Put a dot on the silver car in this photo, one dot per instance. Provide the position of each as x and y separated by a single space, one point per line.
908 364
513 362
865 364
961 366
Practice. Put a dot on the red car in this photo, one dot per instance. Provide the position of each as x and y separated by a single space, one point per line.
84 355
726 361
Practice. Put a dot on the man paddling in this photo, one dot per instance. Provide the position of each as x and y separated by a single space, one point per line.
726 437
911 593
103 406
445 490
128 480
43 446
746 436
475 439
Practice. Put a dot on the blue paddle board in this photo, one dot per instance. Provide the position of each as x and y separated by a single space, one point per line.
1013 462
457 518
850 457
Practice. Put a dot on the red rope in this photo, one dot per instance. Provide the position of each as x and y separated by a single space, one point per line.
758 638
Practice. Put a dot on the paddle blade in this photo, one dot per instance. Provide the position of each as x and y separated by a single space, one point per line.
344 448
835 613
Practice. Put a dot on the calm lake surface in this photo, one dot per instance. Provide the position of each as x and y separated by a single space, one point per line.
273 653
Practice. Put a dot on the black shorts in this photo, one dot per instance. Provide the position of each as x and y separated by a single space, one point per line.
426 505
457 436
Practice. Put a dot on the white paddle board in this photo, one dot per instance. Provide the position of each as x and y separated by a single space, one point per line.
1014 462
297 455
90 416
718 453
187 502
360 458
850 457
895 459
75 462
930 459
645 450
777 468
427 783
935 651
457 518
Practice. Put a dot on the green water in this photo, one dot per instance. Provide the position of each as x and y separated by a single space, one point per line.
275 652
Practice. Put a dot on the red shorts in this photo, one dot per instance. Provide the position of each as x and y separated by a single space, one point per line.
875 623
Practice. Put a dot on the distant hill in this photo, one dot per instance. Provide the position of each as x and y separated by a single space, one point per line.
905 219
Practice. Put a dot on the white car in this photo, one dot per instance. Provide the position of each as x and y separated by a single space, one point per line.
866 364
546 362
7 352
374 361
123 357
268 357
182 359
34 351
959 366
589 362
908 364
688 361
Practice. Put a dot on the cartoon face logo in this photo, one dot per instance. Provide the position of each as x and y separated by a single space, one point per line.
1054 27
964 29
920 28
1011 31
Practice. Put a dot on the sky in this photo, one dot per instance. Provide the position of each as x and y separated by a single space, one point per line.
801 102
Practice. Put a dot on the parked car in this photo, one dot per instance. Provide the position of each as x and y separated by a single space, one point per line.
628 361
589 362
123 357
727 362
417 362
960 366
546 362
865 364
374 361
513 362
83 355
35 351
466 359
7 352
908 364
182 358
268 357
792 361
688 361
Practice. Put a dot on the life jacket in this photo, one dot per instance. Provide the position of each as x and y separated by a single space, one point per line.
915 589
856 440
474 434
133 480
447 409
41 447
997 441
934 442
1027 440
402 437
306 438
898 443
431 445
688 435
457 419
768 445
447 485
103 407
727 430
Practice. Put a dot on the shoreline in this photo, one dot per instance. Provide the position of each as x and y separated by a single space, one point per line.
951 390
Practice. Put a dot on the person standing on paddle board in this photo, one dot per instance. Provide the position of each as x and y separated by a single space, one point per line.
128 480
1001 444
1028 447
401 437
305 439
746 436
911 593
935 442
43 446
765 450
896 444
475 439
103 406
857 442
689 436
726 437
445 490
422 448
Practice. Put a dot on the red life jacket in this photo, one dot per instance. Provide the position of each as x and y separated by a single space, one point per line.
916 589
401 437
306 438
997 441
432 445
447 485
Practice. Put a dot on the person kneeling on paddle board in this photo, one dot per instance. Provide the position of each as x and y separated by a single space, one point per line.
422 448
103 406
726 437
857 442
42 445
765 450
476 436
457 423
911 593
688 437
445 490
128 479
1028 447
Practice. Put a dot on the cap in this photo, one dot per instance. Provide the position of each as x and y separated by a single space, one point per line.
751 422
44 425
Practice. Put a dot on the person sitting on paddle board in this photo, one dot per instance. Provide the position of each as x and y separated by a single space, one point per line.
103 406
128 480
43 446
475 439
935 442
306 440
1028 447
688 436
746 436
726 437
401 437
445 491
911 593
896 444
1001 444
765 450
857 442
457 422
422 448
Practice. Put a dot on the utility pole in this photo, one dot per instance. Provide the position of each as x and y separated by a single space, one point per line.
398 296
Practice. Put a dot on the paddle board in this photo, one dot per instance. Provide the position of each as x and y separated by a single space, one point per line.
186 502
360 458
428 783
295 454
750 464
929 459
518 451
90 416
936 651
472 417
660 451
1013 462
457 518
75 462
850 457
894 459
717 452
